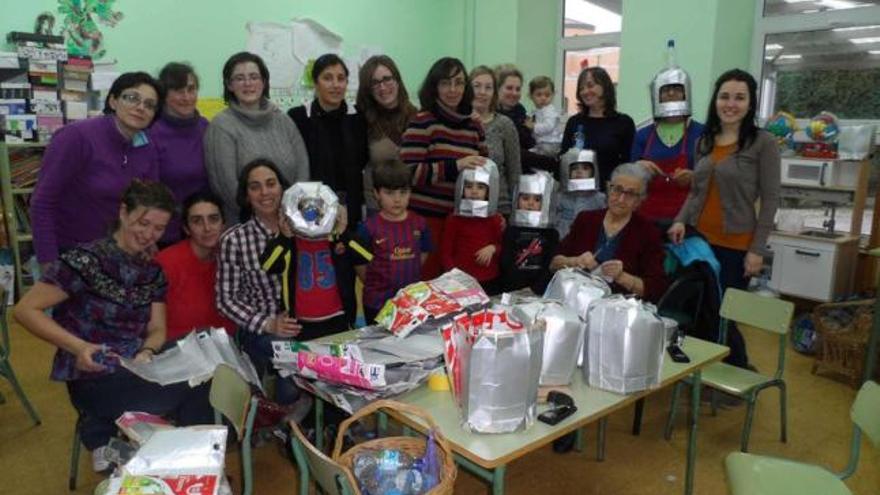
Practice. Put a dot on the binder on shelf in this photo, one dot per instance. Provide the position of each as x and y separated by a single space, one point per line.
20 37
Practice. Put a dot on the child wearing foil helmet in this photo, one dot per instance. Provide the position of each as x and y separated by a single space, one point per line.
666 147
530 241
472 232
580 188
310 258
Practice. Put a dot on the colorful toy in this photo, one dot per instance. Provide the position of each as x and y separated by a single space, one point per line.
783 125
823 128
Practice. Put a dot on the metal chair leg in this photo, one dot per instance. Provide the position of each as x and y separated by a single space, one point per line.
600 440
6 371
670 420
783 413
637 417
74 456
747 427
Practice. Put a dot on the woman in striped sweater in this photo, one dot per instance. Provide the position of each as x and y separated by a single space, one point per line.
442 139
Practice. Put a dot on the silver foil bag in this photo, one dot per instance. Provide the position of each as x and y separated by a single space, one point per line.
623 346
486 174
563 337
500 385
576 289
311 208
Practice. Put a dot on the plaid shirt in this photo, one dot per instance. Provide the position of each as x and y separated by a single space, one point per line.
245 293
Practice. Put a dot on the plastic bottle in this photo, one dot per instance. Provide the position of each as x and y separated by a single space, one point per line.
671 60
579 138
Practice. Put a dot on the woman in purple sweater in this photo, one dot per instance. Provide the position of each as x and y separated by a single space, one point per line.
178 135
89 164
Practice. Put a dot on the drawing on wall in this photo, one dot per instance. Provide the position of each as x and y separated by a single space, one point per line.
80 25
289 51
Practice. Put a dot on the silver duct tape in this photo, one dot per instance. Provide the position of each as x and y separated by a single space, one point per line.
563 337
667 77
540 183
528 218
500 392
576 289
311 208
485 174
623 346
582 184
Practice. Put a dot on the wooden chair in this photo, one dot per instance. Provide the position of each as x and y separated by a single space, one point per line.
763 313
749 474
329 475
231 397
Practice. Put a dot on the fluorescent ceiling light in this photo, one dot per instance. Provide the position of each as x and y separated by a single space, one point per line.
855 28
793 56
773 46
874 52
861 41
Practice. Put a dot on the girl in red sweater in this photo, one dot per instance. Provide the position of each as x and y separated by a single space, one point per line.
472 233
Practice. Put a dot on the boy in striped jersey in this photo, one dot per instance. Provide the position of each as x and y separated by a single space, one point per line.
396 240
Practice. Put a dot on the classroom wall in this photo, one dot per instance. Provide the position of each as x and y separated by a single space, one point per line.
153 32
711 36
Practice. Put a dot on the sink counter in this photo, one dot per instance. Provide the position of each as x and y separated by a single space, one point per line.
842 238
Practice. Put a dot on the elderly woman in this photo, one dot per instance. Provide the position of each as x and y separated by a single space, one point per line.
620 244
108 303
190 267
501 136
89 164
252 127
335 136
179 133
385 106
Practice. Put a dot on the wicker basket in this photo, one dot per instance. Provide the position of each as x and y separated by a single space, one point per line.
414 446
842 349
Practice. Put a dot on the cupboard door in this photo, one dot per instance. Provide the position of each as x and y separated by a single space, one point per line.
807 272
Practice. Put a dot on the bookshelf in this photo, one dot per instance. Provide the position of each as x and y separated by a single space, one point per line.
19 165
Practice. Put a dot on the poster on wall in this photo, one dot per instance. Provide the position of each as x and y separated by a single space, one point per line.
289 51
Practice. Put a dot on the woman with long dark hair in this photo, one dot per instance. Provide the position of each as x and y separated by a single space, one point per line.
442 139
383 102
737 165
599 126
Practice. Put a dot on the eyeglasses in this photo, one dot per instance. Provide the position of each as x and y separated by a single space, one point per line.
385 81
133 99
243 78
628 194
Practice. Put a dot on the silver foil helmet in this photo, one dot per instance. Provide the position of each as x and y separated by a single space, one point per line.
486 174
311 208
540 183
574 156
669 77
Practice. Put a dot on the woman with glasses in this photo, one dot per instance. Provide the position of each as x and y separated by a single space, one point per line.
383 102
178 133
599 126
88 165
441 140
252 127
617 242
501 135
737 165
335 136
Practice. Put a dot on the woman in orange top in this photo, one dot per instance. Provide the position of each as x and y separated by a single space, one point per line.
738 164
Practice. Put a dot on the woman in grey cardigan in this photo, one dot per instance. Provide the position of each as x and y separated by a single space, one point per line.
737 165
252 127
501 135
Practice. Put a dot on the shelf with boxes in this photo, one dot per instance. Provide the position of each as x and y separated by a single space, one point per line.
19 166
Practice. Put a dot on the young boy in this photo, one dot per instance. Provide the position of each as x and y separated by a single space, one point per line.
546 123
530 241
394 242
580 183
312 261
472 233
